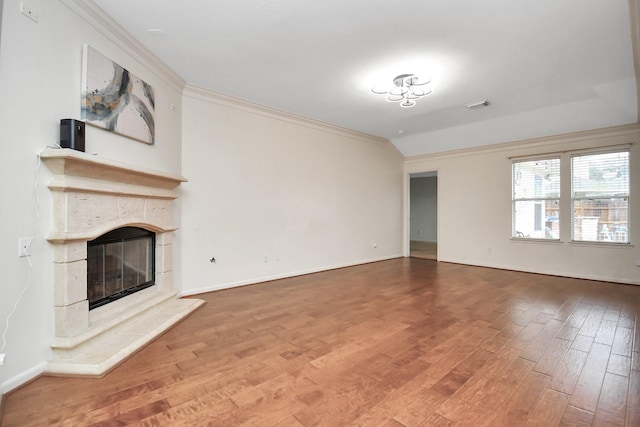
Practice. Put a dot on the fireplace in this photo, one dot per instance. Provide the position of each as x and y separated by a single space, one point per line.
119 263
112 238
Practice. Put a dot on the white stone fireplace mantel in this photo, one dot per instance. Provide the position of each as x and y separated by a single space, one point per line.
90 197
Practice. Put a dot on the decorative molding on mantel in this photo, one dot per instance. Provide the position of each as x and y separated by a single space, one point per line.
76 172
107 26
72 163
65 237
207 95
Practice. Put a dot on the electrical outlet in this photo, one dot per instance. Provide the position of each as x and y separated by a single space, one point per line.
23 246
29 12
2 355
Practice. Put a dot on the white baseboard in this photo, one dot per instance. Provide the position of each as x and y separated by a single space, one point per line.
255 280
22 378
572 275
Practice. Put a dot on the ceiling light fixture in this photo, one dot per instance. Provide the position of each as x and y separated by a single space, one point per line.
405 90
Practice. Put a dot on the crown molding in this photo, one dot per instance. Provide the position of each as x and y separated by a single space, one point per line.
538 143
207 95
91 13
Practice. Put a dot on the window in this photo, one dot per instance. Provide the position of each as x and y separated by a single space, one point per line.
536 199
599 187
600 197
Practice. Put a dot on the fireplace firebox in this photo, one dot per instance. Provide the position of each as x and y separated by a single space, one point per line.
119 263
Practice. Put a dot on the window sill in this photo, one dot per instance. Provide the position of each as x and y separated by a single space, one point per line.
602 244
573 243
530 240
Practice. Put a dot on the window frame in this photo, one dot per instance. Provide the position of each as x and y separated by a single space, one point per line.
573 198
566 198
534 200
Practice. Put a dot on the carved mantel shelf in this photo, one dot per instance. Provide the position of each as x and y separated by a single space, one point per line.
69 162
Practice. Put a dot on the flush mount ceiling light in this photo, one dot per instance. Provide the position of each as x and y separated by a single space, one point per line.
405 90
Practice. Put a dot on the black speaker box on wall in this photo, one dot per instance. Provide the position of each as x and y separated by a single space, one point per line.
72 134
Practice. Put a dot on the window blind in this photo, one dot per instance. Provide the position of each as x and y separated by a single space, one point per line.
536 198
600 197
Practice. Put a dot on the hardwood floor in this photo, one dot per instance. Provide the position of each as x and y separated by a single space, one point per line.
405 342
425 250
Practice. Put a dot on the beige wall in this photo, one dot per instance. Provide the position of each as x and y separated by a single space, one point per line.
306 196
474 211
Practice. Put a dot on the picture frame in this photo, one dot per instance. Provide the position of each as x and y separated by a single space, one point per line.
116 100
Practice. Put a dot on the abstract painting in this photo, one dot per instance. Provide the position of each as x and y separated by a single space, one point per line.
116 100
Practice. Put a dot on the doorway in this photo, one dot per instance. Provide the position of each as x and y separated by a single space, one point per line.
423 215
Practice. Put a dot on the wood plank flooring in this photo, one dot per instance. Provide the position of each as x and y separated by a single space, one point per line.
425 250
405 342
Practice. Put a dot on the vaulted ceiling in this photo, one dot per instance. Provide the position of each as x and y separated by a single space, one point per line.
545 67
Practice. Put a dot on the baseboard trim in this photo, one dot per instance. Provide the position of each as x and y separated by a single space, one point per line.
262 279
22 378
595 278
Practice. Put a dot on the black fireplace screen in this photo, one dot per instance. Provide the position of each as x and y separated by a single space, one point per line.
119 263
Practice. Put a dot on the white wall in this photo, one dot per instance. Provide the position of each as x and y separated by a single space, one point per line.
40 79
475 211
308 197
424 209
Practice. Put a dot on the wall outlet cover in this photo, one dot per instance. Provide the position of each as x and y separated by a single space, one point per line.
23 246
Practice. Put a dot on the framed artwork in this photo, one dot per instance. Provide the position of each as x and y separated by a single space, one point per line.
116 100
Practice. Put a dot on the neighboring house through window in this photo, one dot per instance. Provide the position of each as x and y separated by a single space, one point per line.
536 198
600 197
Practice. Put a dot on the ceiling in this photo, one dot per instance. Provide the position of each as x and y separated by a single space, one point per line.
546 66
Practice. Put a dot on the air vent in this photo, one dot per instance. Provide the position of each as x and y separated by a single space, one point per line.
474 105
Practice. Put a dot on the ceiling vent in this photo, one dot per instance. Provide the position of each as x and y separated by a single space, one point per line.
474 105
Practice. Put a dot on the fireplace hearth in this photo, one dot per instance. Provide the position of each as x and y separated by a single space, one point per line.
100 207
